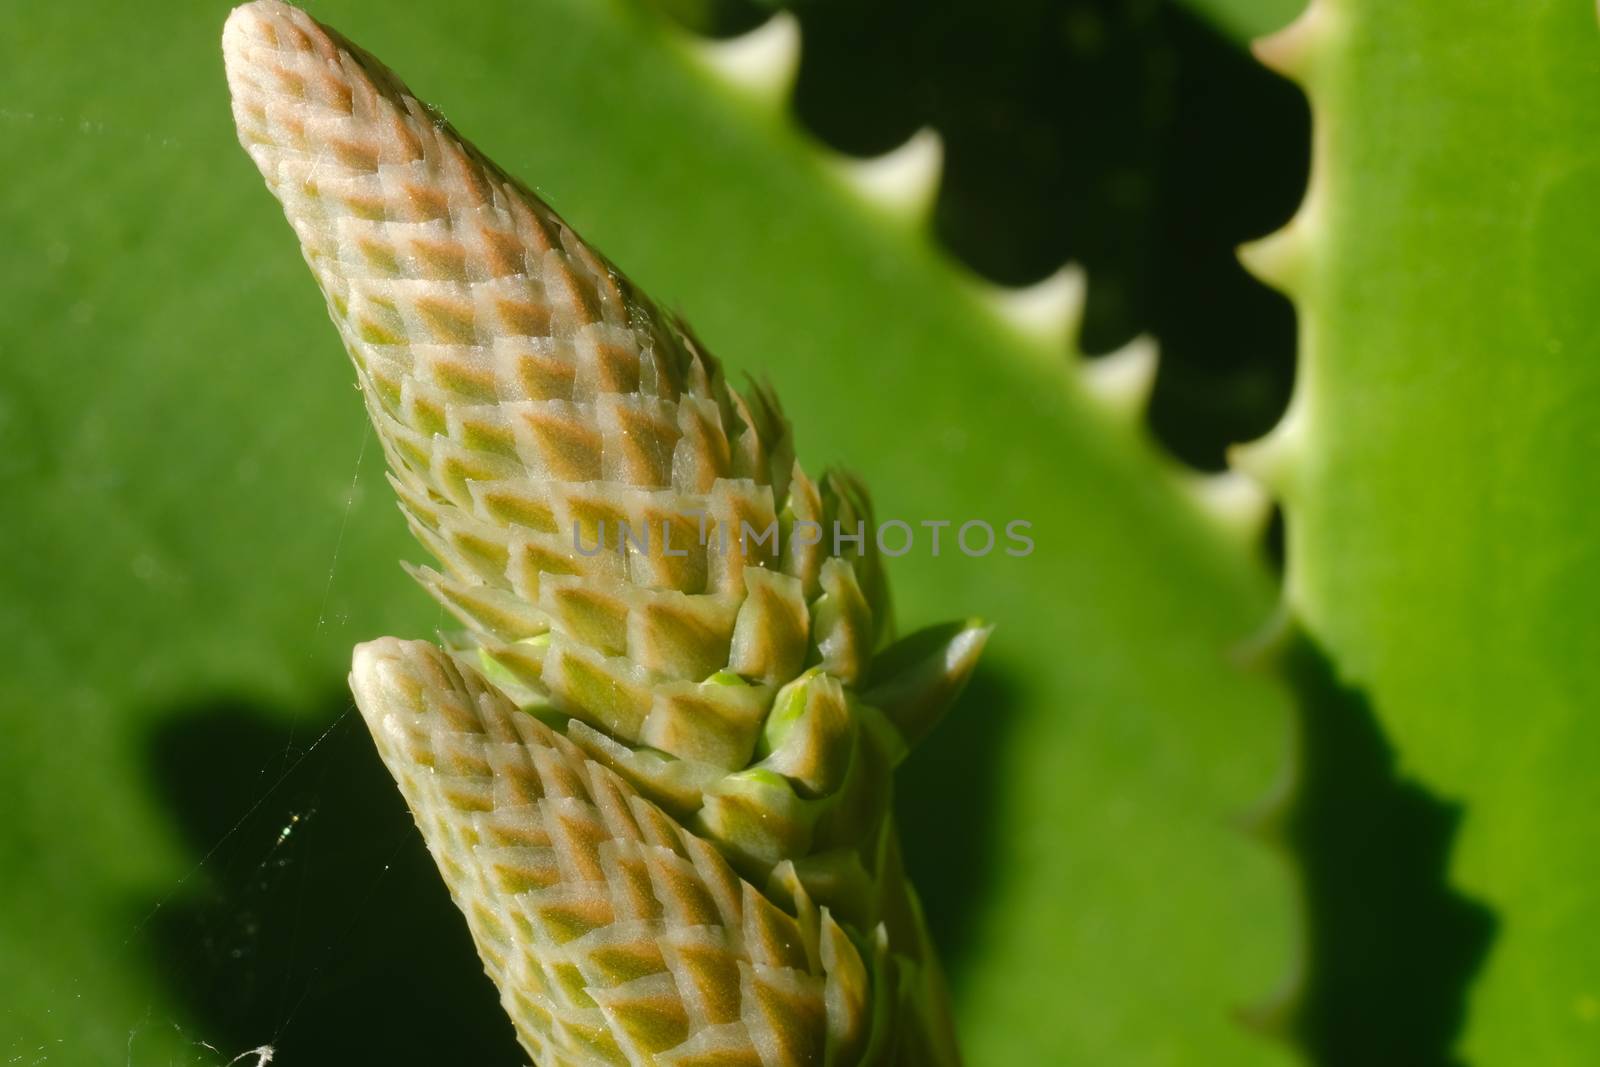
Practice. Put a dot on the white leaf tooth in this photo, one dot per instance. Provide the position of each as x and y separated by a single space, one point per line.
1122 381
1048 311
761 63
902 181
1283 259
1294 50
1279 259
1233 500
1270 460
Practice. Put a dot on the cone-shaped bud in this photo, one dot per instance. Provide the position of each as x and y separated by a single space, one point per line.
642 568
615 935
570 454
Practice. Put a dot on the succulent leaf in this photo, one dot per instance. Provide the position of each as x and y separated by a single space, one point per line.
1436 463
184 523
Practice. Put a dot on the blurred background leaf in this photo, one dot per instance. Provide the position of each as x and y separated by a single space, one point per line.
1247 20
198 532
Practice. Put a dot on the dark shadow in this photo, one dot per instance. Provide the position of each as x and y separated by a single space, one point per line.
316 922
1393 947
945 792
1126 135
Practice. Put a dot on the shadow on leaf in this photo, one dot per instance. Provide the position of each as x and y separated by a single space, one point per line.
1125 135
1393 948
316 922
944 798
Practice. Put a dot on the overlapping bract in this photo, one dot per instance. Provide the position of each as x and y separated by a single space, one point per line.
614 935
638 559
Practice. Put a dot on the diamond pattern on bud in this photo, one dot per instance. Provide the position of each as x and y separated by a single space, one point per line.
570 455
615 935
655 768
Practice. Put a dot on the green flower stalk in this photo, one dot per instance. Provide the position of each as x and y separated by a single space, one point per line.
655 767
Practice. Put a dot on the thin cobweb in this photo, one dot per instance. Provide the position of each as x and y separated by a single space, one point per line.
344 524
178 886
278 869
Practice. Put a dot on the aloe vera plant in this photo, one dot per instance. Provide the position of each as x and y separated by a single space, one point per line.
1110 750
1435 460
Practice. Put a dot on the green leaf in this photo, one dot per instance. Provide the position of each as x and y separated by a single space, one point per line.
1437 463
1245 20
180 437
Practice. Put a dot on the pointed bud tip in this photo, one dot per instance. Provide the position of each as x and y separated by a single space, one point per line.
264 44
919 677
366 656
260 22
974 635
372 680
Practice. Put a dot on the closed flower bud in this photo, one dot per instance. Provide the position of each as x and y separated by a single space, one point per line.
656 865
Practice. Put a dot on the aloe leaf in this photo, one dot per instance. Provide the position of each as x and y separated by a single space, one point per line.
183 440
1244 20
1436 464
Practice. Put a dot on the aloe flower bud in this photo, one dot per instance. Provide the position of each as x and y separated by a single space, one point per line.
648 767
